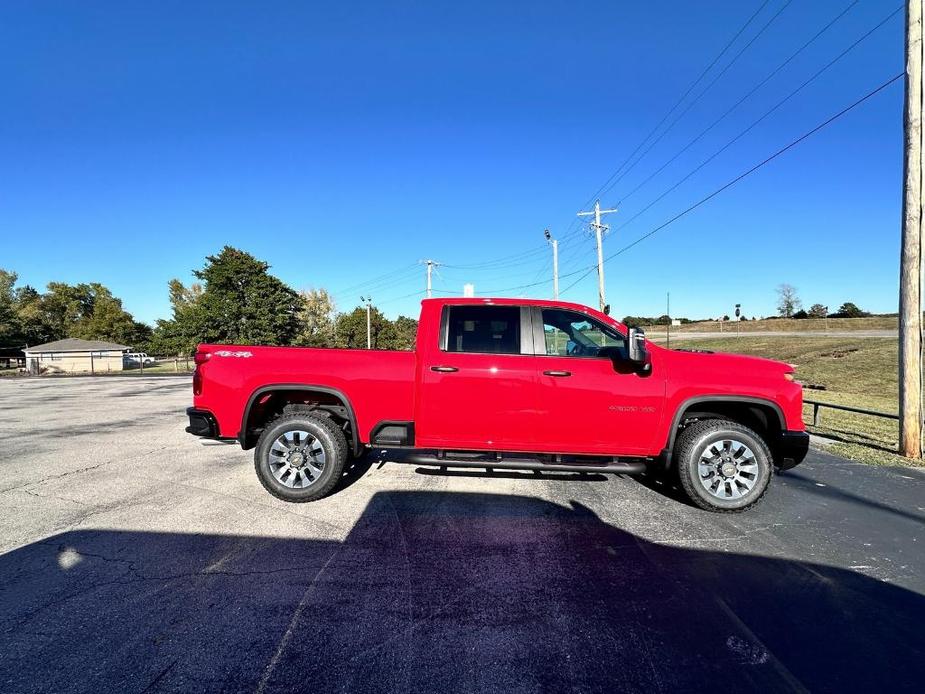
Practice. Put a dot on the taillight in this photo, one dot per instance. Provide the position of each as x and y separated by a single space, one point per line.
200 358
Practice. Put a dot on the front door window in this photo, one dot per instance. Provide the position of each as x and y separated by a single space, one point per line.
573 334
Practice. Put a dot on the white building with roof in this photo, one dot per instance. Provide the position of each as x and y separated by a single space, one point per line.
72 355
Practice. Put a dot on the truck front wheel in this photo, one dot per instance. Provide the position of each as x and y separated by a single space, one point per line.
723 466
300 457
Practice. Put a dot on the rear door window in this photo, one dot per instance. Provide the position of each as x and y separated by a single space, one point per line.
484 329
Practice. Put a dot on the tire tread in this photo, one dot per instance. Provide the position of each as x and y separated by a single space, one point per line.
337 440
688 440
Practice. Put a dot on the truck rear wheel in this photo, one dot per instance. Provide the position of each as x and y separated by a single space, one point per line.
300 457
723 466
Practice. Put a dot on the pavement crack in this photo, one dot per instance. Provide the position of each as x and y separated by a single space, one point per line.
163 673
287 635
88 468
51 496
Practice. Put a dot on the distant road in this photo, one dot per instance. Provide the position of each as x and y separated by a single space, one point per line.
659 335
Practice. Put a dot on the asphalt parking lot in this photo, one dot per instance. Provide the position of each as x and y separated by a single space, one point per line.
135 559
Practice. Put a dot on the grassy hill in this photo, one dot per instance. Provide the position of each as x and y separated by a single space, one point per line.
784 325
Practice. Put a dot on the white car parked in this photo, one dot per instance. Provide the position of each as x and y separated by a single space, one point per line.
137 358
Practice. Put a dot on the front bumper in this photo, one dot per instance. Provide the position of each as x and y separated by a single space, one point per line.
790 449
201 423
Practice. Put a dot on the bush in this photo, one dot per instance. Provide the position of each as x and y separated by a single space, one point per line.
850 310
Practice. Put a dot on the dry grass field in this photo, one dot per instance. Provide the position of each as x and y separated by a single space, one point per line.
787 325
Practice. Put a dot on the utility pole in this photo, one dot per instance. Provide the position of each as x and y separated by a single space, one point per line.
431 264
555 264
910 267
369 332
599 231
668 325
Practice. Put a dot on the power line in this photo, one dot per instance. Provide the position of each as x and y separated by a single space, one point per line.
506 261
738 103
698 97
743 175
378 280
678 102
759 120
399 298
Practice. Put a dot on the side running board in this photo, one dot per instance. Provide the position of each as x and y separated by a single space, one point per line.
613 467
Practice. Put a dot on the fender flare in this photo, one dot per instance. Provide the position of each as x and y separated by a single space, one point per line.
738 399
327 390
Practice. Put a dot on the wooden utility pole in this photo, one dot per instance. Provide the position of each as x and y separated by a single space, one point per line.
599 231
910 268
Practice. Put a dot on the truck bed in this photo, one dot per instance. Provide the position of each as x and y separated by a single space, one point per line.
383 381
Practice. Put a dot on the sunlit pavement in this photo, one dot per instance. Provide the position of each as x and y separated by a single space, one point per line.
136 559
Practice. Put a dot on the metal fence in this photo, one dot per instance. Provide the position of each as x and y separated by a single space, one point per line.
845 408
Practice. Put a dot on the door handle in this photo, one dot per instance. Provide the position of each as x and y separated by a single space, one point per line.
444 369
557 373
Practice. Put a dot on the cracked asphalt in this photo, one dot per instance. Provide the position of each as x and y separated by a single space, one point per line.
135 559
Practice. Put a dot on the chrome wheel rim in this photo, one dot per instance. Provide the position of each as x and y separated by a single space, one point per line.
296 459
728 469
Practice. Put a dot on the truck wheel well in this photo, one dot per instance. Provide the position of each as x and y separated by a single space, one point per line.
764 420
267 404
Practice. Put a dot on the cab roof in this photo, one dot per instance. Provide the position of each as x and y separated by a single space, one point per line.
508 301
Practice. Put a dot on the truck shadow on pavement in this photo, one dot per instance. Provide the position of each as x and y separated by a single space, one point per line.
443 592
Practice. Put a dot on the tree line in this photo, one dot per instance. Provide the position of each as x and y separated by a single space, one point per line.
789 305
87 311
237 301
234 301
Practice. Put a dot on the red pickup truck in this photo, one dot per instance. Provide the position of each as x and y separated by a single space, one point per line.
507 384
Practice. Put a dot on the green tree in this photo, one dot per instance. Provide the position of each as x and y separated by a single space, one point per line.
64 305
34 326
850 310
88 311
636 321
181 296
10 328
178 335
405 333
242 303
316 319
817 311
351 329
107 320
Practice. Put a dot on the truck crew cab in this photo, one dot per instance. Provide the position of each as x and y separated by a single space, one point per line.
507 384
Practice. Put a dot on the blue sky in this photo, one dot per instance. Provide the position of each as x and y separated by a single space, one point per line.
344 143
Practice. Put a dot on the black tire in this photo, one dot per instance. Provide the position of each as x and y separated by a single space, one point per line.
332 443
692 443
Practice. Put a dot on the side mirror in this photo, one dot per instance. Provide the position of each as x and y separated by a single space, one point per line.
636 348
